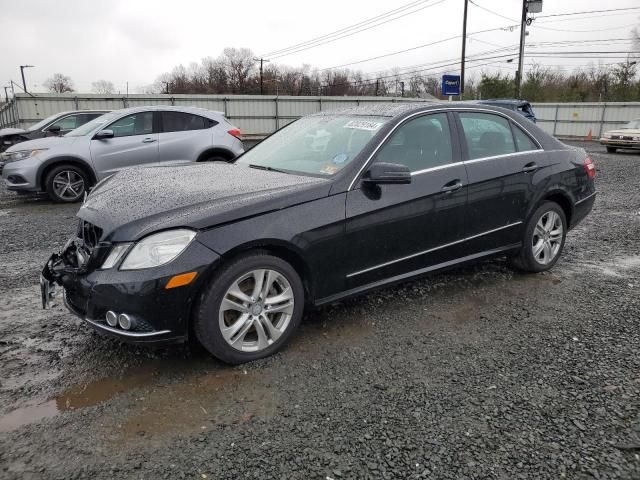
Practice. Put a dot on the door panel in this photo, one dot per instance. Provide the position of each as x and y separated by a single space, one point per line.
395 229
134 143
182 136
500 179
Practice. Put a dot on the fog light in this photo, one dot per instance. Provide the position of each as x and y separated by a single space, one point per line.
124 321
112 318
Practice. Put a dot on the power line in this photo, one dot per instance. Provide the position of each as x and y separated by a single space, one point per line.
320 41
491 11
347 28
589 11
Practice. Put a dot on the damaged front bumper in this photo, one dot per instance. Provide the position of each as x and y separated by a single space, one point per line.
158 315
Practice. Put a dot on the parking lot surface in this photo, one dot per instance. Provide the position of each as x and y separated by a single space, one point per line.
477 373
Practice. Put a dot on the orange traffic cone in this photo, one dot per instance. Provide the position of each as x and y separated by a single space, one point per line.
589 136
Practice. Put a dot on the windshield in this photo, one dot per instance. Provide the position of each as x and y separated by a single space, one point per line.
633 124
42 123
94 124
315 145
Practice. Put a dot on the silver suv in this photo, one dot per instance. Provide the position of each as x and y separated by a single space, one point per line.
65 167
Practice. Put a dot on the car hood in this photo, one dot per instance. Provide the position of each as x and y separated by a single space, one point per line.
137 201
46 142
632 132
10 131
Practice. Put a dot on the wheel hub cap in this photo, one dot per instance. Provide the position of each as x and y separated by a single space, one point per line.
547 238
256 310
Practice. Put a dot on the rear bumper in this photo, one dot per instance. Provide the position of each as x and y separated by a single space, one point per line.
582 208
159 315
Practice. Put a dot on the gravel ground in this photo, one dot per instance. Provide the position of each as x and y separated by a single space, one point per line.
477 373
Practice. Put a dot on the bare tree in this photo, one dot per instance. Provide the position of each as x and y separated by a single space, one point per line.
239 62
103 87
59 83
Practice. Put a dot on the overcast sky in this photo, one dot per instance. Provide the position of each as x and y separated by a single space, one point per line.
137 40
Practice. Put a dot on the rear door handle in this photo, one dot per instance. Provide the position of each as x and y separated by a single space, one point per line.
148 140
452 186
530 167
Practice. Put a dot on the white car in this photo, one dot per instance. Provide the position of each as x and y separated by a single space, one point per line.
625 137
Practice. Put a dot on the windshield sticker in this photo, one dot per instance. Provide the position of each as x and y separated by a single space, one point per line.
329 169
364 125
340 158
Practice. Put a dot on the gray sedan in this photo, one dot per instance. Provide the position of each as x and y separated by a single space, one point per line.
65 167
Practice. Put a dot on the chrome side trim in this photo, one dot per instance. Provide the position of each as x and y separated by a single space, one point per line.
586 198
414 273
440 110
424 252
123 333
504 155
433 169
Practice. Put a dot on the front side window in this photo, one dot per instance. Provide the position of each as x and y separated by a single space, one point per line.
419 144
92 126
137 124
486 135
180 122
319 145
66 123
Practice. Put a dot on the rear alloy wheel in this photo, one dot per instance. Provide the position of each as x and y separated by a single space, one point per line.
251 308
544 238
611 149
66 183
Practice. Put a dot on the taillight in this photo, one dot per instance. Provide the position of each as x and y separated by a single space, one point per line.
235 132
589 167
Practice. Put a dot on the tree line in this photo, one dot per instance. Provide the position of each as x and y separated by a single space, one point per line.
236 71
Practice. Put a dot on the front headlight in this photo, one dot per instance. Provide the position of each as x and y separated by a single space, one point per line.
607 135
21 154
158 249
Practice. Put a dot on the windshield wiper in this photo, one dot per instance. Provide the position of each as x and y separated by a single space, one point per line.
269 169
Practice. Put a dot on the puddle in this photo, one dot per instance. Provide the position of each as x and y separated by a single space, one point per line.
224 397
79 396
164 399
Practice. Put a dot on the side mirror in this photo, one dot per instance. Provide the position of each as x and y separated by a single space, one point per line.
103 135
387 174
54 129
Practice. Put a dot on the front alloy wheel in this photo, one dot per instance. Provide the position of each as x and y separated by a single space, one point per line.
256 310
250 308
66 183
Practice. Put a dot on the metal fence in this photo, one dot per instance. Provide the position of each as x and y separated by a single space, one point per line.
582 119
255 115
259 115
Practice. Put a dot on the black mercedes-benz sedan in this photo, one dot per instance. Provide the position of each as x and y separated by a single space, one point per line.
332 205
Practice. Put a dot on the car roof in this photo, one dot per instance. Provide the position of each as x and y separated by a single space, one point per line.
393 109
505 101
169 108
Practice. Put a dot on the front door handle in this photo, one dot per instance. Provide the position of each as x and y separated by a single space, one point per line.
452 186
148 140
530 167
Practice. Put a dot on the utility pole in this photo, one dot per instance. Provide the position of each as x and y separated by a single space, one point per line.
6 95
464 47
167 87
523 32
402 89
24 84
377 85
261 60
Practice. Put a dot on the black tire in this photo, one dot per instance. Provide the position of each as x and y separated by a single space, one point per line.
525 259
215 158
74 172
611 149
207 315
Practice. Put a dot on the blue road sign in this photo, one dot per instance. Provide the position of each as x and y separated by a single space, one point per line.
451 85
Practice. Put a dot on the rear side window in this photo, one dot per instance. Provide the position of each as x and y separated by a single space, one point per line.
136 124
523 142
421 143
181 122
486 135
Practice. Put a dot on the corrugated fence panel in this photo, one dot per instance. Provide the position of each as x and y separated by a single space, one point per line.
259 115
